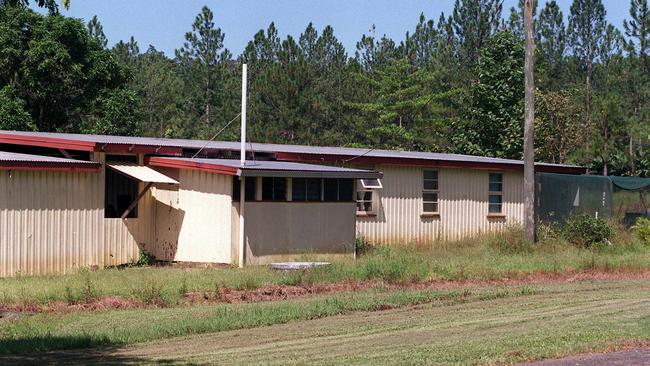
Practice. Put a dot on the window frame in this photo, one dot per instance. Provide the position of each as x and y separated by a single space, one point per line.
274 187
494 193
360 199
435 191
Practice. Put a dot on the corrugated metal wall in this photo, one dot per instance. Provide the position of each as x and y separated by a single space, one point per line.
463 206
193 223
52 222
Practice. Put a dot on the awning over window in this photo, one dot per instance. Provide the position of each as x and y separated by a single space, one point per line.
141 173
374 183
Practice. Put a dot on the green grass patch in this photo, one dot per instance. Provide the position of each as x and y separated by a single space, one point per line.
482 258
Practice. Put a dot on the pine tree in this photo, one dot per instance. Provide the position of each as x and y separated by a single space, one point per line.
551 43
586 29
96 31
200 56
474 21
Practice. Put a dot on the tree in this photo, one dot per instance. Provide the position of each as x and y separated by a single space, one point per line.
492 125
516 19
96 31
405 107
586 29
551 43
117 112
200 55
421 46
55 68
529 123
373 53
474 21
559 127
13 115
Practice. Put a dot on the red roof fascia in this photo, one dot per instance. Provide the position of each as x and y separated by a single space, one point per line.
369 160
138 149
192 165
52 142
51 167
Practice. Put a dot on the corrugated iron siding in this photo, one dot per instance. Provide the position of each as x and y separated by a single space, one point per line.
463 206
52 222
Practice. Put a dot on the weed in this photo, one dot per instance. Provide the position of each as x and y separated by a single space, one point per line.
150 294
145 258
642 229
69 296
88 291
183 289
586 231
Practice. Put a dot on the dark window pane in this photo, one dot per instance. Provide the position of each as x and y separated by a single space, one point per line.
496 178
299 189
496 187
430 207
331 189
430 197
235 189
495 198
251 188
346 189
313 189
430 174
279 189
494 208
267 189
431 184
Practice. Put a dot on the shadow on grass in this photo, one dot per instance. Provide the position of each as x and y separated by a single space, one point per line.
71 351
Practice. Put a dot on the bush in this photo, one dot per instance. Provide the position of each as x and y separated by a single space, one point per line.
361 246
642 229
586 231
145 258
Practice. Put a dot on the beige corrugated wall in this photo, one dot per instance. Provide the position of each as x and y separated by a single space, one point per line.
463 206
193 222
52 222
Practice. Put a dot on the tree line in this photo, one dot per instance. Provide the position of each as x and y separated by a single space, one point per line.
452 84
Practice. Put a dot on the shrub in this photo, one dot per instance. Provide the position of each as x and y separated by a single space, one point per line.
642 229
510 240
361 245
585 231
145 258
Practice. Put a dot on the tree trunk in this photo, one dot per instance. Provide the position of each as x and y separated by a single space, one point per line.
529 119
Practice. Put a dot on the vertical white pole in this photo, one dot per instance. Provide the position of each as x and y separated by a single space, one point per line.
242 160
244 76
242 237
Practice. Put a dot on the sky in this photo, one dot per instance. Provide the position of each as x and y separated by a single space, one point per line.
163 24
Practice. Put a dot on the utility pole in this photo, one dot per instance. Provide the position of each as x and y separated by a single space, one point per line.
529 124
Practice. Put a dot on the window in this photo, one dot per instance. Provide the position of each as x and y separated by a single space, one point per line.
120 191
274 189
364 200
371 183
335 190
430 192
250 187
495 197
306 189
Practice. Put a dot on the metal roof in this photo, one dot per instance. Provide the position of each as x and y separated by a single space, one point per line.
266 168
141 173
18 161
350 154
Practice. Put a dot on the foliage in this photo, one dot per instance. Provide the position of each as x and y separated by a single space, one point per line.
587 231
642 228
452 83
494 122
145 258
12 112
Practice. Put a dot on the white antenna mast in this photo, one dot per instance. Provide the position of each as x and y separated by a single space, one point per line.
244 77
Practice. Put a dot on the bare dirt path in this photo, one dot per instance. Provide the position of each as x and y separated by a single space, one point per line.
562 319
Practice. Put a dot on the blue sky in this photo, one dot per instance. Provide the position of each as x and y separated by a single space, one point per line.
164 23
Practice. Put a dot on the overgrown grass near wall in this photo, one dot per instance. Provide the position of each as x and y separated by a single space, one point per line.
484 257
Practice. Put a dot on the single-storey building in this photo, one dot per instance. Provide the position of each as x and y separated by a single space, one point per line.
71 200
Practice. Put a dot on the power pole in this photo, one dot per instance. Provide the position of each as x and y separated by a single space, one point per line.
529 123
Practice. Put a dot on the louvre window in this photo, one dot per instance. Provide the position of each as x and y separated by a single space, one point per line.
274 189
495 196
430 192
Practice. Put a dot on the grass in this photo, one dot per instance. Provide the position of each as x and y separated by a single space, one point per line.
483 326
486 257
